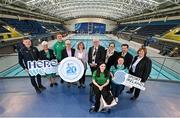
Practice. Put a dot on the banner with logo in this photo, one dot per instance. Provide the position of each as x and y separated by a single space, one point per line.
71 69
42 67
120 77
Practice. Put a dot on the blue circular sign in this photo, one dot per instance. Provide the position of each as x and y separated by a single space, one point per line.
119 77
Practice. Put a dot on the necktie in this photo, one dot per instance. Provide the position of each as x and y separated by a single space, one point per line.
95 50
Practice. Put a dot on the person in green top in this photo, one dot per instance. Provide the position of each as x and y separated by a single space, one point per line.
100 84
58 47
115 88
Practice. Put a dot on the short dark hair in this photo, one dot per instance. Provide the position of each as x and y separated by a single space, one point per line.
112 43
115 65
80 44
26 38
125 45
59 34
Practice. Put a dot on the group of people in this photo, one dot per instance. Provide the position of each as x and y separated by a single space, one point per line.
103 64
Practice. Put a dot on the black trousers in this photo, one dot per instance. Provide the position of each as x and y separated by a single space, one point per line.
116 89
98 96
82 80
33 81
136 91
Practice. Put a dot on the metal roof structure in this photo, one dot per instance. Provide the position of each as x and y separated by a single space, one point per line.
64 10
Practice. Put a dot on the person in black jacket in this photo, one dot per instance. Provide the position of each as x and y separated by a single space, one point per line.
140 67
48 54
30 53
127 56
67 52
96 54
111 56
127 59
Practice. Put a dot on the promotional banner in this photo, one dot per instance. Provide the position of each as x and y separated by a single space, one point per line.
71 69
42 67
120 77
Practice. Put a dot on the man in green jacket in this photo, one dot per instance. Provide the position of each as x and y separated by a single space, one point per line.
58 47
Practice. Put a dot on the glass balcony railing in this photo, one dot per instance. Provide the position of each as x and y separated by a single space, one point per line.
163 68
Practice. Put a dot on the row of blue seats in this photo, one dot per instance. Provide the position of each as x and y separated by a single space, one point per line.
32 27
148 30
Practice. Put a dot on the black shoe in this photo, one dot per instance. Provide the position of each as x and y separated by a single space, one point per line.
51 85
68 85
92 110
42 87
133 98
79 86
38 91
83 85
62 81
129 92
55 84
104 110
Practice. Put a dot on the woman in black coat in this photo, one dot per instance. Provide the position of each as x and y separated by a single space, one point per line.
140 67
48 54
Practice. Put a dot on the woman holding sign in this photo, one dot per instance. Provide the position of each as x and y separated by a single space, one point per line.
117 88
100 85
48 54
140 67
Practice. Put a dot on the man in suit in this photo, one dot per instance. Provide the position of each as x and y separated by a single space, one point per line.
127 56
96 54
67 52
127 59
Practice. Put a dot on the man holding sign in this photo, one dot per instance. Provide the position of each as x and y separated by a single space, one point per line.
117 87
30 53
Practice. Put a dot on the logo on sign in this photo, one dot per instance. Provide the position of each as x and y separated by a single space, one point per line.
120 77
42 67
71 69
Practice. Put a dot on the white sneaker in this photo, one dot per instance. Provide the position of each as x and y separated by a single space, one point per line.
116 99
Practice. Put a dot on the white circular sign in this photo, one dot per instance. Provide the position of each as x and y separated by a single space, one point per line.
71 69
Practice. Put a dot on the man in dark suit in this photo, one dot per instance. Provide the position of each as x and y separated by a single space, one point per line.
96 54
127 56
67 52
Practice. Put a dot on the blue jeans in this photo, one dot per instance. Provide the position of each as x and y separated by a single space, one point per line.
116 89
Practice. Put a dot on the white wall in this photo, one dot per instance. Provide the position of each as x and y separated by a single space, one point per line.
110 25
